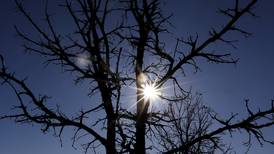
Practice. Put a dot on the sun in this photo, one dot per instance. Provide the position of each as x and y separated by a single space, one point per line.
150 92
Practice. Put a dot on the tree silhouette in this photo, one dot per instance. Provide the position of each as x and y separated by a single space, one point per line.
130 52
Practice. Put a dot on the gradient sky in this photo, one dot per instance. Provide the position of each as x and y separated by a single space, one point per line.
224 87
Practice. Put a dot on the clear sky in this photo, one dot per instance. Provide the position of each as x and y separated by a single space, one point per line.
224 87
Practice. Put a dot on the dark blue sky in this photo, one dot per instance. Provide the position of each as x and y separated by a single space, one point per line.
224 86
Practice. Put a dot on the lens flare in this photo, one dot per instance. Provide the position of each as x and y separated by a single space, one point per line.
150 92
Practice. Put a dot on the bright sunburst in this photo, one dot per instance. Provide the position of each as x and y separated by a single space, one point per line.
150 92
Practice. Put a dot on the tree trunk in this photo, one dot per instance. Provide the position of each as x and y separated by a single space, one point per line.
111 118
142 107
111 136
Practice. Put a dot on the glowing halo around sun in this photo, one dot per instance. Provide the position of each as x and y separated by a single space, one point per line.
150 92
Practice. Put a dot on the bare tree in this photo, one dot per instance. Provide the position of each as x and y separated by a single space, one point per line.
132 52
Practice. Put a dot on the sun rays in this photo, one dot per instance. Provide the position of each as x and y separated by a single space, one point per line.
150 92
